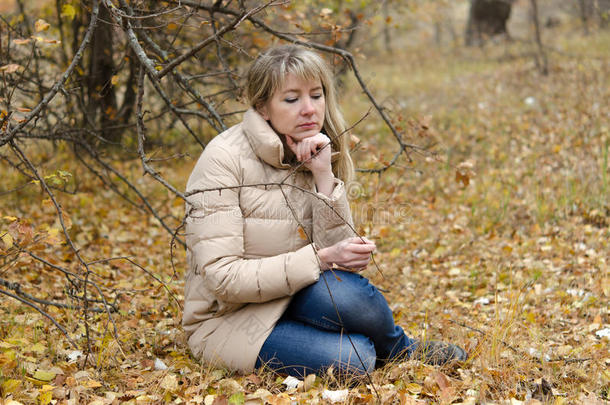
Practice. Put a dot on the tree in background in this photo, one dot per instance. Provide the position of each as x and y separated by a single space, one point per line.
487 18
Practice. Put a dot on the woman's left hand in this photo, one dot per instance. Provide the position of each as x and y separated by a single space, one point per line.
314 152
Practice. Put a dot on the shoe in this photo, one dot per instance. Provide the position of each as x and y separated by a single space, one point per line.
437 353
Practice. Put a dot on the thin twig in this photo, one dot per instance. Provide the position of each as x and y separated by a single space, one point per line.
16 287
60 82
26 302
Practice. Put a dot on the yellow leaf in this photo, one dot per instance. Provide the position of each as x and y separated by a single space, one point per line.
302 233
92 384
9 386
172 26
46 388
68 11
8 240
44 375
45 397
9 218
114 80
8 356
395 253
41 25
413 388
37 348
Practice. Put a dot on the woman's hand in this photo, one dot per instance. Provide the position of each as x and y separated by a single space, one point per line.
315 153
351 254
308 147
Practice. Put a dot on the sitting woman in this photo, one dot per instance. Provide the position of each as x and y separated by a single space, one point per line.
272 253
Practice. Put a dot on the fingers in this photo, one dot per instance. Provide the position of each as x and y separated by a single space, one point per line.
361 245
308 147
360 239
291 143
361 249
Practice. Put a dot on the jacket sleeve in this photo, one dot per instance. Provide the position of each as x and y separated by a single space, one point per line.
214 236
332 218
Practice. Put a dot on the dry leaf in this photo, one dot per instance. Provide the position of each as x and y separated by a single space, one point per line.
41 25
169 383
10 68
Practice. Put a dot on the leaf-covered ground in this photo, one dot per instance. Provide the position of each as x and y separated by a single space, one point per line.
499 242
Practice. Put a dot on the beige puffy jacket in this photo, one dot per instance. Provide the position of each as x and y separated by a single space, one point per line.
246 255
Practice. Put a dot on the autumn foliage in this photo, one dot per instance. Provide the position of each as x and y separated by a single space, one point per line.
484 183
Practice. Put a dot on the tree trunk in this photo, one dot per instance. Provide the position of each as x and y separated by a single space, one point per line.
602 10
541 60
387 39
487 18
102 101
584 15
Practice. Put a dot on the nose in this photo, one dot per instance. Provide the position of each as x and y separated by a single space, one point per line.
307 107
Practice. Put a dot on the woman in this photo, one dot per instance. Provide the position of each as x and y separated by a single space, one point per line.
267 237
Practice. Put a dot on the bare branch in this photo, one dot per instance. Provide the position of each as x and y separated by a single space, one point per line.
60 82
29 304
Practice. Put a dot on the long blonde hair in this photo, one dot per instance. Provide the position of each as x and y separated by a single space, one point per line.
267 75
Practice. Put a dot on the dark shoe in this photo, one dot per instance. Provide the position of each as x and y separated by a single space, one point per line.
437 353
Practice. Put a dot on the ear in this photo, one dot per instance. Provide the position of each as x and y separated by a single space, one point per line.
262 110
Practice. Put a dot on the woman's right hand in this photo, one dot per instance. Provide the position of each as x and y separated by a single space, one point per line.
351 254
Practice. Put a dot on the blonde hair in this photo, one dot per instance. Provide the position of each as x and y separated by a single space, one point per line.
267 75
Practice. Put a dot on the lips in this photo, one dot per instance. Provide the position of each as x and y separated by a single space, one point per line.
308 125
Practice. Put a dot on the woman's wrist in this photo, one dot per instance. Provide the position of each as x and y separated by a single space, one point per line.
325 182
323 256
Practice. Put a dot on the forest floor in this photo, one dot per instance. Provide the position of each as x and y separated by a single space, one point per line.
498 241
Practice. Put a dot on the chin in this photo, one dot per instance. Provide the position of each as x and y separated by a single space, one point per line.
304 135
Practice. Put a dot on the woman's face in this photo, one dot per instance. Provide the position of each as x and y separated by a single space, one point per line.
297 108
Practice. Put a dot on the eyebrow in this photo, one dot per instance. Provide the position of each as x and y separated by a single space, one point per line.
317 88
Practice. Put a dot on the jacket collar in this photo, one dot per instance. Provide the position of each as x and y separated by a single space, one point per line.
264 140
267 144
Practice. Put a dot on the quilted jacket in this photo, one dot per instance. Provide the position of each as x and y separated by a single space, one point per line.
246 255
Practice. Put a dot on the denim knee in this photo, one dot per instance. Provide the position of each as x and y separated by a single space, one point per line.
361 356
356 294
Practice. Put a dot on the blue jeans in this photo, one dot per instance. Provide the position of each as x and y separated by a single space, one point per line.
309 337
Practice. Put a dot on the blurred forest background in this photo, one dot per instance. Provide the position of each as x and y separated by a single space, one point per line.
481 137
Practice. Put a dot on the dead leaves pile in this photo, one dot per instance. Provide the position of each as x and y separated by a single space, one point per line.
506 254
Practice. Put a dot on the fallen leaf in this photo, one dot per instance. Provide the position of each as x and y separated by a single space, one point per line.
169 383
44 375
41 25
7 239
10 68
